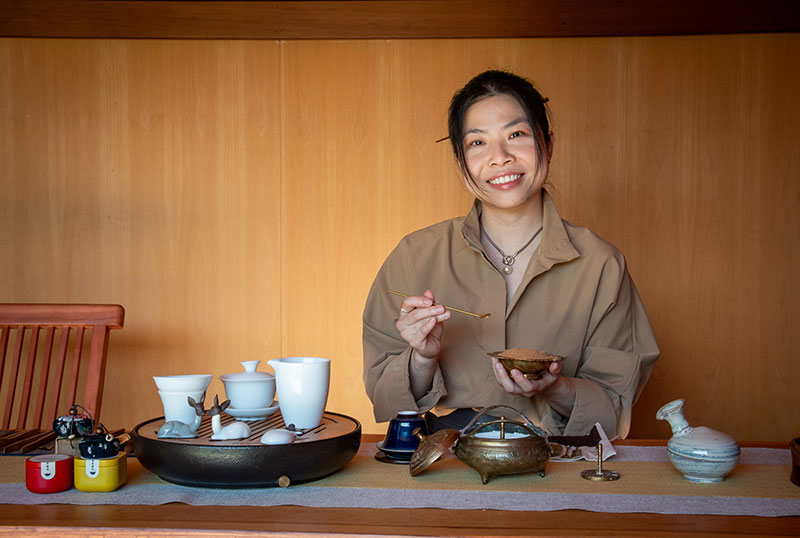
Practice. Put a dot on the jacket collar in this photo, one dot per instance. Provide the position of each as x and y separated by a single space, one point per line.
555 247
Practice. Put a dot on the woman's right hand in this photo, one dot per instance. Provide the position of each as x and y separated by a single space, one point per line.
421 324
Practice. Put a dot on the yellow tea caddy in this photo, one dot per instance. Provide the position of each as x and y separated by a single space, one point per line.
101 474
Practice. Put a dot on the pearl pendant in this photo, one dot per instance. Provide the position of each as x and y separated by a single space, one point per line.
507 269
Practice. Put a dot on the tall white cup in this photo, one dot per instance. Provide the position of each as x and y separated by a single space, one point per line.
302 385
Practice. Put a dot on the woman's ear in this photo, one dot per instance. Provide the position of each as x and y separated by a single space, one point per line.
550 146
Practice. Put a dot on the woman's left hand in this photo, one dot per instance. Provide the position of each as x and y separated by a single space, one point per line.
517 383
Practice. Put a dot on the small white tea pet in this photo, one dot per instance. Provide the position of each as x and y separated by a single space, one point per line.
234 430
278 436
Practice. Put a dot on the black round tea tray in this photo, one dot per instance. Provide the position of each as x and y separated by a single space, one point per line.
247 463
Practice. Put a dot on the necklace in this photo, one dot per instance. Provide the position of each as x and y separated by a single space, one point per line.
508 261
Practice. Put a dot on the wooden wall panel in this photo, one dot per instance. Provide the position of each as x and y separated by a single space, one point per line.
361 169
147 174
681 152
678 150
238 197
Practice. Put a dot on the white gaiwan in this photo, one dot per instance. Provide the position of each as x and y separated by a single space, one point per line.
249 389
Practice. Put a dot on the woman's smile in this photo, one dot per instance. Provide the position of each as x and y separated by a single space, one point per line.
504 180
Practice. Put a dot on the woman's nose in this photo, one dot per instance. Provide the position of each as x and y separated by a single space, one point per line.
500 155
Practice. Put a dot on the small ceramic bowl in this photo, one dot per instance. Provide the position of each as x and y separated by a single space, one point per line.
249 389
400 435
531 362
182 383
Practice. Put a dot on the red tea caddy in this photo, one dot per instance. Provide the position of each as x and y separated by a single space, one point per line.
48 473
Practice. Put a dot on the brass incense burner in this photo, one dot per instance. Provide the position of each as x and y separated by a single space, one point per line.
496 447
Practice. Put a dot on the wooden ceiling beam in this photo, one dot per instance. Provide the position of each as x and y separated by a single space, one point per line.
390 19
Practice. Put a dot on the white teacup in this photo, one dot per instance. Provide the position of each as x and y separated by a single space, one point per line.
302 385
186 382
177 407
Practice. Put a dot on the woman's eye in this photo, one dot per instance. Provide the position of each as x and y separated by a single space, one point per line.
517 134
474 143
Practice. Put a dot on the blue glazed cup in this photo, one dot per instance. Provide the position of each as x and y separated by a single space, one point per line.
400 435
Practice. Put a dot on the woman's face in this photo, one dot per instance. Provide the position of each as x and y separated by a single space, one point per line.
502 153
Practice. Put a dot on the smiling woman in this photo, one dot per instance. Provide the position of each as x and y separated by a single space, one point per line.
563 289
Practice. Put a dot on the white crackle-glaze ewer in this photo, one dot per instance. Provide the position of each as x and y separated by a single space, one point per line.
701 454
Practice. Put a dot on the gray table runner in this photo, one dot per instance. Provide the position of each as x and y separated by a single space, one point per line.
759 486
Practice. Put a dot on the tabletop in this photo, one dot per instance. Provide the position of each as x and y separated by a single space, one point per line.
178 518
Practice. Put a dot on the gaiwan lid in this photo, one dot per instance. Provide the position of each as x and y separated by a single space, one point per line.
249 374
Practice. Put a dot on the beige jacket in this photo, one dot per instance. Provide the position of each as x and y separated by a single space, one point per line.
576 300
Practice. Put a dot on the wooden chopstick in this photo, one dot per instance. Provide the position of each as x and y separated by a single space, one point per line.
454 309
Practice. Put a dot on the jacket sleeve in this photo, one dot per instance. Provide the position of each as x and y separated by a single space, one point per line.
618 356
386 354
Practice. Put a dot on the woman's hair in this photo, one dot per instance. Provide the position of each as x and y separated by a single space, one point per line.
488 84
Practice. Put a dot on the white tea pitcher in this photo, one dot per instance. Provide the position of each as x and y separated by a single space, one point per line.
302 386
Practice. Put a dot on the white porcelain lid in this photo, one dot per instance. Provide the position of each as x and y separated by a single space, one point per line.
249 374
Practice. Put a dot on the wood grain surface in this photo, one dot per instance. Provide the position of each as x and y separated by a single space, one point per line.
384 19
237 198
183 520
139 170
178 519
